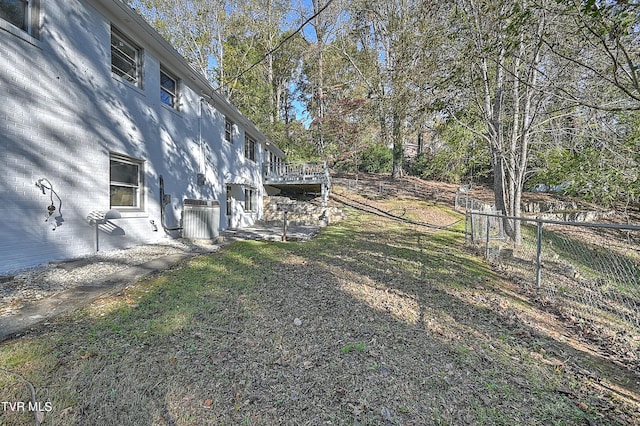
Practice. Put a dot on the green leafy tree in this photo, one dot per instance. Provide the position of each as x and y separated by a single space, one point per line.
600 165
455 154
601 39
392 36
377 159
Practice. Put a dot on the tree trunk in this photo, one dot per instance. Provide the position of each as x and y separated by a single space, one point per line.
320 79
273 111
398 151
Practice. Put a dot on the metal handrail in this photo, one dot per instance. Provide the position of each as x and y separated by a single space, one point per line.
557 222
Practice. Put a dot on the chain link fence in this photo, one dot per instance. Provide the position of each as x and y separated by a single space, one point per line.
589 273
465 202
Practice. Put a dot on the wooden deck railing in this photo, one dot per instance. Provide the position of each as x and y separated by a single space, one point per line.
295 173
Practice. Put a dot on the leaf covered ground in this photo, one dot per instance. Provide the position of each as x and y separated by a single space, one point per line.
377 321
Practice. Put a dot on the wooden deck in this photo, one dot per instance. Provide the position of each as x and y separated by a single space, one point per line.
308 177
295 173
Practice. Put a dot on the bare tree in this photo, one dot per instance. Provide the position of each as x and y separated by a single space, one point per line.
505 57
197 29
601 39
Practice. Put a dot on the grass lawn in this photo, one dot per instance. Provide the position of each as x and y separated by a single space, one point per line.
374 322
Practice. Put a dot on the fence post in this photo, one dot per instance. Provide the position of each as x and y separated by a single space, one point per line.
486 254
539 256
466 226
473 237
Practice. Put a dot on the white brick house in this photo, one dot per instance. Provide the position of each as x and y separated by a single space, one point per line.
96 107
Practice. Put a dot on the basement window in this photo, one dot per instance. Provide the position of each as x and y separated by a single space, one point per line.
126 182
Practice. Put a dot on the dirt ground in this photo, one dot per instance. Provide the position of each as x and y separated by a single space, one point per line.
409 186
611 353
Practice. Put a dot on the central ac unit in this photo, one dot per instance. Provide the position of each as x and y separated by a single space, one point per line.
200 219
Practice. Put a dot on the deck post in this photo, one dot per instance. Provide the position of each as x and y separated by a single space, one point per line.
323 189
284 227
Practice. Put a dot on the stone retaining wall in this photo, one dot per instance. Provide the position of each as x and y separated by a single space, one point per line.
310 213
568 211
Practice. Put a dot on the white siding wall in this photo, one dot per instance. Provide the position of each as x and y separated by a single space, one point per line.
62 113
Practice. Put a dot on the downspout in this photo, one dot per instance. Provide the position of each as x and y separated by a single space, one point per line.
200 135
201 160
163 204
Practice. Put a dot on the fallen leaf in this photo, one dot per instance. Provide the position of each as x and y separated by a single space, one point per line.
66 411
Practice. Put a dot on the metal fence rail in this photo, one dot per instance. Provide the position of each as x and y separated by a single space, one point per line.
465 202
589 272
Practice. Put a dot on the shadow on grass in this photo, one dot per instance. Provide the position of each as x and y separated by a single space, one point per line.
444 266
256 334
590 281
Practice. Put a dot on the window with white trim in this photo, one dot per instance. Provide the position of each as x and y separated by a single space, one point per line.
126 58
168 89
228 130
23 14
250 196
249 147
126 182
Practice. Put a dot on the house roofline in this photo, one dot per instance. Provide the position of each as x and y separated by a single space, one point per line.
136 23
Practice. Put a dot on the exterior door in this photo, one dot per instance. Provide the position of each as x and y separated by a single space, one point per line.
229 206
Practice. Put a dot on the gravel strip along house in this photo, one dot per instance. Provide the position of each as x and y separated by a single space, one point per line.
109 139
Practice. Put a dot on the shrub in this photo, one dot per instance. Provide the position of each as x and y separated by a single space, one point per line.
376 159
